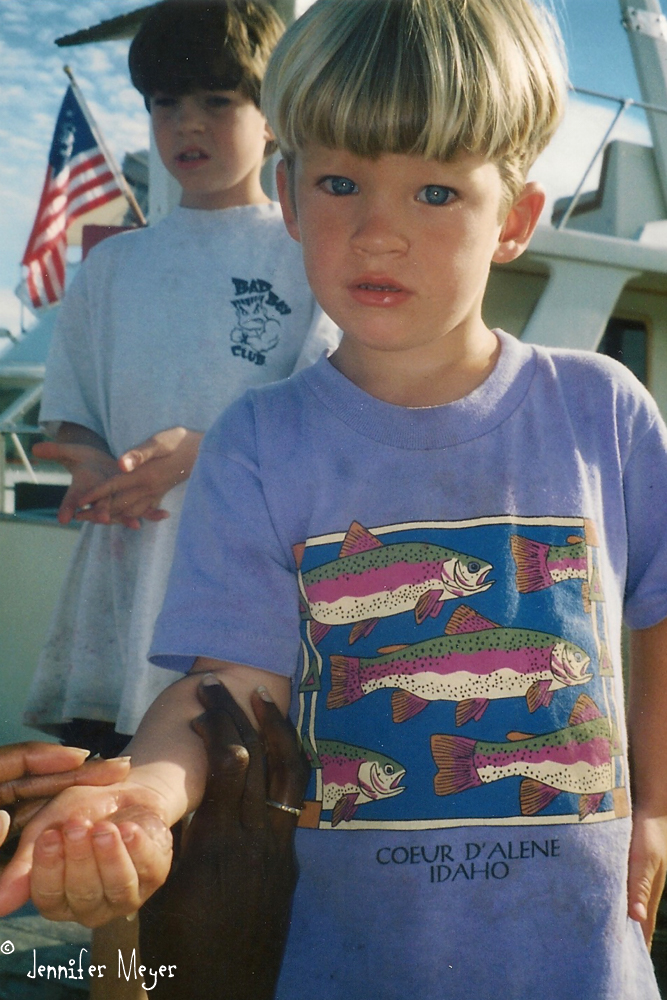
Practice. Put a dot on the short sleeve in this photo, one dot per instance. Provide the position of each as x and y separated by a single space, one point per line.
71 390
645 490
232 591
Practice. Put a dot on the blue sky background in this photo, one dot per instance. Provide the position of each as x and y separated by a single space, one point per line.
32 85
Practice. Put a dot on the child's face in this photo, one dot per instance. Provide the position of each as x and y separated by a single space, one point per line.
398 249
212 142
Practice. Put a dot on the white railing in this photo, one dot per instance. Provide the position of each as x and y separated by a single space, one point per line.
624 104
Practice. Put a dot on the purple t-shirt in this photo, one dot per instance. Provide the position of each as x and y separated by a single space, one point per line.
445 586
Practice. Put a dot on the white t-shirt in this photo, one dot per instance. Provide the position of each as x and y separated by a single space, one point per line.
162 327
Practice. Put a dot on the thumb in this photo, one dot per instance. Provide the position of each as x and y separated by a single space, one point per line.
4 825
645 878
136 456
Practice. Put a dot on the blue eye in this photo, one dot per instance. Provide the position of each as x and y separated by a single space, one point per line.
339 185
436 194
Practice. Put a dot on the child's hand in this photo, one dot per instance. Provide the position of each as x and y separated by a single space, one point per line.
89 467
147 472
647 869
91 854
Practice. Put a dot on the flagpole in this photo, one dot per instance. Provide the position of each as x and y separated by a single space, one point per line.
115 169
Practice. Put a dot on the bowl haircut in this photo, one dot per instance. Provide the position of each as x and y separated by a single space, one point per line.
431 78
187 45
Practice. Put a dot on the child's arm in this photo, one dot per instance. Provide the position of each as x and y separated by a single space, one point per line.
148 471
647 716
94 854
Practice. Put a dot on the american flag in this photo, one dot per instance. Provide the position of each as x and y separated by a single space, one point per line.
79 178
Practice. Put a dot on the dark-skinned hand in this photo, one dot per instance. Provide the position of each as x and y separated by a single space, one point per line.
222 917
32 773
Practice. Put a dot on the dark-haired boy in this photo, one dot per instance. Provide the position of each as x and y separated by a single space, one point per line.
160 331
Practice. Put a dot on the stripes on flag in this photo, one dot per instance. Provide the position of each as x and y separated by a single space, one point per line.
78 179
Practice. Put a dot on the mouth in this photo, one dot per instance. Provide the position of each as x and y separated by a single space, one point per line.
379 287
379 291
191 156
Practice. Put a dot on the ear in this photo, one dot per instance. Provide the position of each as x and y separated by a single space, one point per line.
520 224
286 196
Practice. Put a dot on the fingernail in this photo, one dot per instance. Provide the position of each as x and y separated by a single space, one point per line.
264 694
209 679
84 753
75 833
50 841
123 759
104 838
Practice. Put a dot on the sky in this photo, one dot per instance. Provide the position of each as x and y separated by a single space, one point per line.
32 86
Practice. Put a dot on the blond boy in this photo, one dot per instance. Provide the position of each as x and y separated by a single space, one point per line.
427 542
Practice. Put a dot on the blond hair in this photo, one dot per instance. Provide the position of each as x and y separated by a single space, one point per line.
425 77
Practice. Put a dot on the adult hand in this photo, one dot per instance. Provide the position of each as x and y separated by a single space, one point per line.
33 772
222 917
647 870
147 472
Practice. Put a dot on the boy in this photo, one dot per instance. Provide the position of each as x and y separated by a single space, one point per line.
161 330
454 521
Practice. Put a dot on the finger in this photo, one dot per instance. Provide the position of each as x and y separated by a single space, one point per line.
47 883
143 452
35 757
94 772
155 514
103 491
69 505
51 451
148 843
228 767
642 906
4 825
118 875
288 767
214 728
220 704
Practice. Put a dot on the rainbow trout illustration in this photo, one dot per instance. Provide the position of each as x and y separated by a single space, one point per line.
473 662
578 759
353 776
369 581
540 566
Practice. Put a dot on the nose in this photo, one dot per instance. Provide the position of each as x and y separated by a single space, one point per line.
189 117
379 231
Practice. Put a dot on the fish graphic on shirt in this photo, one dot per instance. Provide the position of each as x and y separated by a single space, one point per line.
578 759
353 776
370 580
540 566
474 662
